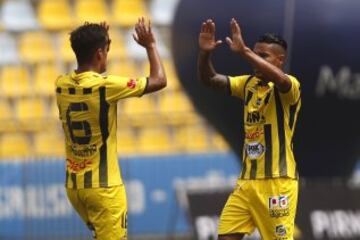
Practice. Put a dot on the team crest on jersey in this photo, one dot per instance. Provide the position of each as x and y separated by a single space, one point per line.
255 117
279 206
131 84
280 231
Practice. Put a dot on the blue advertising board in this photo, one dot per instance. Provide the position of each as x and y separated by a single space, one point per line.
33 202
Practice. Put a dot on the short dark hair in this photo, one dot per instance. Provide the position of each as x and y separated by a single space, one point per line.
273 38
86 39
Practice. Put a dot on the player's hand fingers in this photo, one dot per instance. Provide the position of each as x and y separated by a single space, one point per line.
229 41
218 42
212 27
203 27
135 37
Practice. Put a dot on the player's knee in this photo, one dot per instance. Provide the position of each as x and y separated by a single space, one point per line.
237 236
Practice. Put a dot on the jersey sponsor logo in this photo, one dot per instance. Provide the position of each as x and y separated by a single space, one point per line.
77 166
279 206
254 135
131 84
254 117
86 151
254 149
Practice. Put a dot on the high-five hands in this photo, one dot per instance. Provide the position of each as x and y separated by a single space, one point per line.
207 41
236 41
143 33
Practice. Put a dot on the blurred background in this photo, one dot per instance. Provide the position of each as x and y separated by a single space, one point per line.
179 149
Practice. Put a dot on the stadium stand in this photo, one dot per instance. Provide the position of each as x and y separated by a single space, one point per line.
35 49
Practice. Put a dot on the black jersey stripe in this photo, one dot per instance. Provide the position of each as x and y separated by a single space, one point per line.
103 119
73 179
281 135
253 169
88 179
268 151
293 110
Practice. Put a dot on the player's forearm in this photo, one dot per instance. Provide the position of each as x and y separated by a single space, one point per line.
206 70
157 77
209 76
269 71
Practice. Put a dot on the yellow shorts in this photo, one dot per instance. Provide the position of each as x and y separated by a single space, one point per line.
268 205
104 210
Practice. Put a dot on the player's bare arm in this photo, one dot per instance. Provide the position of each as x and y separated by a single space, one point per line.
144 36
206 70
269 71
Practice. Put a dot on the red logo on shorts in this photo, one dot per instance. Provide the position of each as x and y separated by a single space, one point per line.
131 84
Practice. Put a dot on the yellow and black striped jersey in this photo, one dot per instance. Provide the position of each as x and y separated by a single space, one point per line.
269 124
87 105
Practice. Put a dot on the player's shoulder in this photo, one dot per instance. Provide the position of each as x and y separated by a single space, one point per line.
240 77
293 78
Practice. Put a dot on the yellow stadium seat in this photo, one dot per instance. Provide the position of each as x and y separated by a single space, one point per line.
93 11
123 68
126 12
31 114
126 142
15 145
192 138
117 46
6 117
66 53
36 47
49 144
45 76
219 143
140 111
176 108
15 81
54 110
155 141
54 15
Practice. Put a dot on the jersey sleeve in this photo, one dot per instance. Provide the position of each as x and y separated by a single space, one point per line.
122 87
237 85
293 95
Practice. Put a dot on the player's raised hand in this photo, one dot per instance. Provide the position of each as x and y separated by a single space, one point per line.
236 41
143 34
207 40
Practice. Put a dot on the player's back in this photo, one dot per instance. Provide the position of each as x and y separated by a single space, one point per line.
88 121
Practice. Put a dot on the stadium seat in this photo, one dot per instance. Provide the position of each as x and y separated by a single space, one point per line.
126 141
125 13
125 68
155 141
93 11
66 53
18 15
15 145
31 114
45 76
117 46
8 51
6 117
36 47
192 138
176 108
15 81
49 144
140 111
54 15
163 11
219 143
